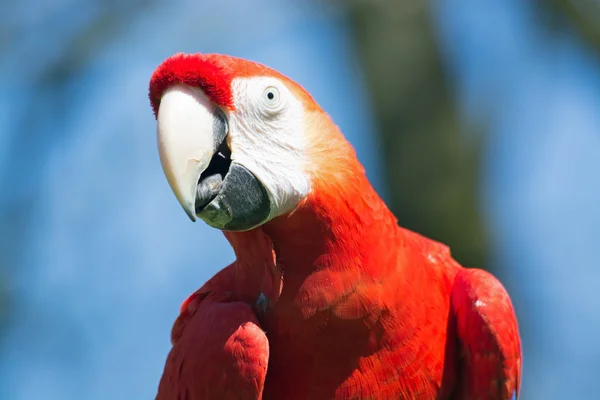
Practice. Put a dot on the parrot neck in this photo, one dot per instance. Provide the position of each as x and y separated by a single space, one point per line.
341 218
346 220
338 226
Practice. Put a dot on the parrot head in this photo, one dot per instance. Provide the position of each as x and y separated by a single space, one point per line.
239 143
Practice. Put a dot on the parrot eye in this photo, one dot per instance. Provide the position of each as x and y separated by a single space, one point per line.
272 98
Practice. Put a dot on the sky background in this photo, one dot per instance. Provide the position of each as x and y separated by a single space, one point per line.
97 254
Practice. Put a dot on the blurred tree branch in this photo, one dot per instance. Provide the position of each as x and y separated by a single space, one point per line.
432 166
581 15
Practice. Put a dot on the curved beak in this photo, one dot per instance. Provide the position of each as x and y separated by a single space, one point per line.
190 130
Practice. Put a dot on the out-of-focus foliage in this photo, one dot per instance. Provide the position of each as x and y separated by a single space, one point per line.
431 165
582 16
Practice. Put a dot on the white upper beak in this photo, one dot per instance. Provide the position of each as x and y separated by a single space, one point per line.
186 142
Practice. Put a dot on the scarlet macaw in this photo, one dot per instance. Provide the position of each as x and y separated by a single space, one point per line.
328 297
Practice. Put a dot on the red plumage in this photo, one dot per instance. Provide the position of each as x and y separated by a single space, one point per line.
349 304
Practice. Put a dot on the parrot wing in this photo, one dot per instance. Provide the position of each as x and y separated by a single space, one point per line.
490 348
219 349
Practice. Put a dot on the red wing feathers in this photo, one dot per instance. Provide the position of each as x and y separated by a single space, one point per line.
219 349
489 340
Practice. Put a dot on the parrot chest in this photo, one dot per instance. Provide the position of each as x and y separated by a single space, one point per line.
368 349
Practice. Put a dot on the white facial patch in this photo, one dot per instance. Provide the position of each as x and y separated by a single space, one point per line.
266 135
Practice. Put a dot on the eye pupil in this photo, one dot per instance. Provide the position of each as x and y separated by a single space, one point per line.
270 96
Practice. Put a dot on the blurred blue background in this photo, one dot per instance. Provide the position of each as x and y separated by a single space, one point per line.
477 121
